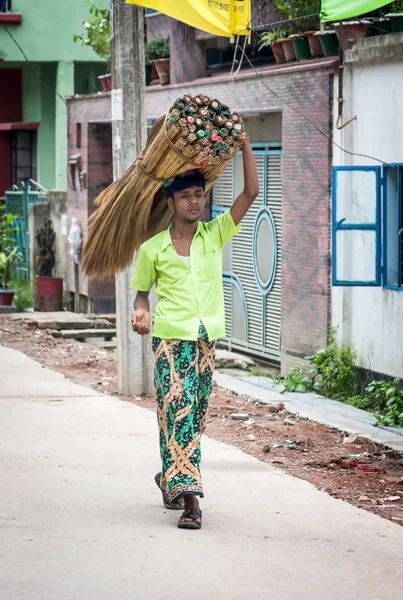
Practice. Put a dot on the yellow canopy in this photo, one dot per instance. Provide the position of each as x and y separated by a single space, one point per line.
220 17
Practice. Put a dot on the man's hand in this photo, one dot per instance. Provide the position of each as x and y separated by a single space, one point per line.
141 321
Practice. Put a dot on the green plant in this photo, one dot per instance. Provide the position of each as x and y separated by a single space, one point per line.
10 256
45 237
359 402
302 14
256 372
24 294
296 381
157 49
333 370
97 31
269 37
386 398
394 7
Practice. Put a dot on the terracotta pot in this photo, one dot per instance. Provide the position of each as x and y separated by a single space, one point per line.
106 82
278 51
48 294
6 297
289 51
352 30
163 69
315 45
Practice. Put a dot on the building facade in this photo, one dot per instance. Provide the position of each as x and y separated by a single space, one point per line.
39 66
367 206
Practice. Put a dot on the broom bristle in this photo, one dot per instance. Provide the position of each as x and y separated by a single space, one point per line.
134 207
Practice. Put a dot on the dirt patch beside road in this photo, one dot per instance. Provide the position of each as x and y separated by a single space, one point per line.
350 468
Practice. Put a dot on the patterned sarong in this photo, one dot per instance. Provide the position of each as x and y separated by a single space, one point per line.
183 382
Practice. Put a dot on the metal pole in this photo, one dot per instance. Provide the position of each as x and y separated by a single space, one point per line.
129 130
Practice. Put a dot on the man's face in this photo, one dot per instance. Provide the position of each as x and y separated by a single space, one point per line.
188 204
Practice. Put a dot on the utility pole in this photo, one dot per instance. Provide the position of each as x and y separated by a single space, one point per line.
129 129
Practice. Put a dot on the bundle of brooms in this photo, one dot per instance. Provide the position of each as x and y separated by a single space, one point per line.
197 132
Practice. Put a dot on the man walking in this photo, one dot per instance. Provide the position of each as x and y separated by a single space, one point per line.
185 264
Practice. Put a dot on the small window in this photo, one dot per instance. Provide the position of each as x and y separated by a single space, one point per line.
23 156
393 226
356 226
78 135
5 6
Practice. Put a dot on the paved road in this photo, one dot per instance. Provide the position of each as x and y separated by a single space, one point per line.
80 517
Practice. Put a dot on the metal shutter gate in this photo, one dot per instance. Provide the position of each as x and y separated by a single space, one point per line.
252 261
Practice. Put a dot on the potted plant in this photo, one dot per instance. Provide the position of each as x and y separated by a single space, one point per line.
303 16
97 36
329 41
48 289
158 52
395 15
275 39
10 257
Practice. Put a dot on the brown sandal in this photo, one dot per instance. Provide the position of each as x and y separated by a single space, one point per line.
176 505
190 519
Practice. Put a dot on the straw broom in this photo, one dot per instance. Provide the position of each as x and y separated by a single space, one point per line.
197 132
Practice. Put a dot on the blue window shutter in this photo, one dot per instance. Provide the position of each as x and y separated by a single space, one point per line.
356 226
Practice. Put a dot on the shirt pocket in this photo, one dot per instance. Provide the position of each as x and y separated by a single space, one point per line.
211 267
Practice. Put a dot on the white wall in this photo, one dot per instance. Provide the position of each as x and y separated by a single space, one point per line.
369 318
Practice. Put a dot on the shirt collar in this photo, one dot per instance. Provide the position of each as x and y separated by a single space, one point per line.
167 240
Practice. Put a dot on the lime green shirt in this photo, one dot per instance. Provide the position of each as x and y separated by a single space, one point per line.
187 295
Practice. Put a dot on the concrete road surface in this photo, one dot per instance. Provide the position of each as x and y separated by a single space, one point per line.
80 517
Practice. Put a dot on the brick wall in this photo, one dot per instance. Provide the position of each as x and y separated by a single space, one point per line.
92 114
100 175
263 12
188 58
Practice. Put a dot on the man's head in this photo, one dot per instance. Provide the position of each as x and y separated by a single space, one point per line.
186 195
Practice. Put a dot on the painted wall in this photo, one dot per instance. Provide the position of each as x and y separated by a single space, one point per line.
369 318
45 33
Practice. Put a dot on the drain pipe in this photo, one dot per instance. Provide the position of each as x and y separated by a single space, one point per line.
340 101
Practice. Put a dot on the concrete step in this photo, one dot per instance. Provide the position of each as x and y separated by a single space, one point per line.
82 334
108 317
62 320
74 325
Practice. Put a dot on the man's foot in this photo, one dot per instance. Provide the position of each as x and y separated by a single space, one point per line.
192 515
191 519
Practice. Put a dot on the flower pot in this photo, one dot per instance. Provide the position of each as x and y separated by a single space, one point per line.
48 294
329 41
349 31
6 297
396 22
314 45
149 70
163 69
289 51
301 46
106 82
379 26
278 51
